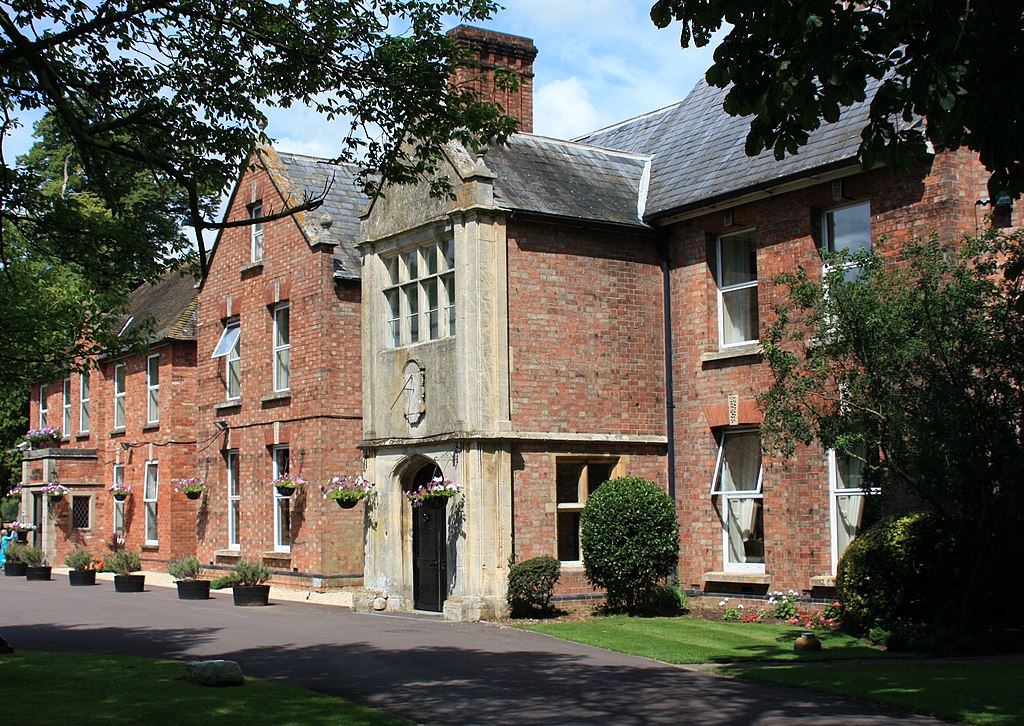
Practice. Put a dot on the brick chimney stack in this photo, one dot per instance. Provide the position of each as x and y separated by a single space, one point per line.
499 50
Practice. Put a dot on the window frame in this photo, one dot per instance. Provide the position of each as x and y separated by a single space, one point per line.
44 408
120 396
282 349
256 249
66 406
727 497
84 401
828 244
419 294
118 519
724 290
234 499
88 512
835 491
151 501
229 347
282 504
153 389
583 494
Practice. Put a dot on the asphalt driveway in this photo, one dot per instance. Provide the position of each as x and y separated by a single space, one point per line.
416 666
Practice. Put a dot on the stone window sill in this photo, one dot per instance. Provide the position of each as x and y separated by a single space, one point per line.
227 553
743 578
823 581
82 437
730 353
228 405
277 556
276 396
151 427
252 268
116 432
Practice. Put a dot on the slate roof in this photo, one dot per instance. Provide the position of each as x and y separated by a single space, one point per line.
697 150
171 302
336 221
568 180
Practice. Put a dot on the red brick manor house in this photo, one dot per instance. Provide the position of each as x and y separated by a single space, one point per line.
578 310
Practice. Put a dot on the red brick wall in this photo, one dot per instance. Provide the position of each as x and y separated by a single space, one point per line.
586 331
321 419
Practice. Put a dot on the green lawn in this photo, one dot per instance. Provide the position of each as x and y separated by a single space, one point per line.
52 688
692 640
987 694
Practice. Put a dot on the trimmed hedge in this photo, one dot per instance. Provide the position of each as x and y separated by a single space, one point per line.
531 584
895 579
630 539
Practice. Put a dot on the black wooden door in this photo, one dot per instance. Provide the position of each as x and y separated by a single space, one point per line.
37 519
429 556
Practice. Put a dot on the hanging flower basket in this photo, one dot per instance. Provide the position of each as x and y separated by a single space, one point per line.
346 491
55 492
120 492
286 484
437 490
192 487
44 437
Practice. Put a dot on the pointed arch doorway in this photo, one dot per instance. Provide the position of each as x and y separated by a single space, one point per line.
429 546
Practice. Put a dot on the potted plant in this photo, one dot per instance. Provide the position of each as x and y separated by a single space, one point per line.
55 492
124 564
193 487
187 572
35 564
286 484
82 567
120 491
438 490
14 565
22 529
346 491
247 580
44 437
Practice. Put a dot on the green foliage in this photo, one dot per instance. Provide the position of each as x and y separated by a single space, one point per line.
13 425
185 568
9 507
79 559
124 562
793 65
925 350
228 580
16 552
250 572
531 584
897 577
630 540
31 556
666 600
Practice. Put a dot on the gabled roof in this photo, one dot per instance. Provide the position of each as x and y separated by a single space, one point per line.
336 221
568 180
697 150
171 302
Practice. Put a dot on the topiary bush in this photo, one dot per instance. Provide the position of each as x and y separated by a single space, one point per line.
891 579
630 540
531 584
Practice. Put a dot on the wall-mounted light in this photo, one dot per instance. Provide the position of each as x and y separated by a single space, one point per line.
222 425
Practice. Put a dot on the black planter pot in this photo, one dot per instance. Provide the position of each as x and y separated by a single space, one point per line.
22 538
129 583
120 497
347 503
285 491
193 495
81 578
251 595
56 497
14 569
193 589
38 572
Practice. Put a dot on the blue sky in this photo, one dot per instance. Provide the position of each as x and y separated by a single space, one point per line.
599 62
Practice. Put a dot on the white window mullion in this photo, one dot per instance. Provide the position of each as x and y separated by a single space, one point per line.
234 500
120 393
83 403
153 389
150 497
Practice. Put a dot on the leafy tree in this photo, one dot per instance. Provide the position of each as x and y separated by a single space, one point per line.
13 424
918 359
794 64
630 540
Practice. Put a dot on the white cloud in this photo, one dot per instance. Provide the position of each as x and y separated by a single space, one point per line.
563 110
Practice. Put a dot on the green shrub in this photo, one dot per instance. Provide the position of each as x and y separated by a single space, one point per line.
185 568
531 584
895 578
124 562
250 572
16 553
228 580
630 540
33 556
79 559
666 600
9 507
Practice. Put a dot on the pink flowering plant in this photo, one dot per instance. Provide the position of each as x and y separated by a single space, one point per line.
55 490
783 608
16 489
346 488
288 481
44 435
125 489
191 485
437 488
17 526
